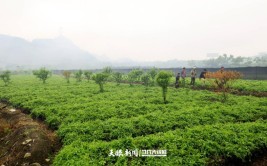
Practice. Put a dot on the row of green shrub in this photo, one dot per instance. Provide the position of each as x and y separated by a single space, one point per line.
200 145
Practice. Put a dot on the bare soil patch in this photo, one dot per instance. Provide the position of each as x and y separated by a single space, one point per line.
24 141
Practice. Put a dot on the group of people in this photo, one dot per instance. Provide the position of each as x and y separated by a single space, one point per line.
193 75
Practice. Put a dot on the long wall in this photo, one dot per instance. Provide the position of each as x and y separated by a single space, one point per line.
253 73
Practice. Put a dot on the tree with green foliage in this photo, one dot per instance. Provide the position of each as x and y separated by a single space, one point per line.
67 74
100 79
78 75
130 78
118 77
163 80
107 70
153 73
138 73
5 76
134 75
146 78
42 74
87 75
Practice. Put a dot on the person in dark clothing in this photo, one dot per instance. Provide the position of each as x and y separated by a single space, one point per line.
202 76
177 82
183 76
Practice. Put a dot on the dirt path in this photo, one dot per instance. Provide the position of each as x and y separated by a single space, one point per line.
24 141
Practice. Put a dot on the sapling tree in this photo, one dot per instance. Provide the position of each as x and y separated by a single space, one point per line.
78 75
88 75
118 77
107 70
138 73
42 74
145 78
153 73
222 80
131 78
100 79
67 74
5 76
163 80
134 75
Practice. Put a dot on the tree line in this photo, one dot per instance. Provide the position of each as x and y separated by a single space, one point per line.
231 61
149 78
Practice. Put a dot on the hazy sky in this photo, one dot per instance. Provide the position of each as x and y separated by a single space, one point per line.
143 29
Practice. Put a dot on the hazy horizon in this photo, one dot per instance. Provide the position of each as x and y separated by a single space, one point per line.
143 30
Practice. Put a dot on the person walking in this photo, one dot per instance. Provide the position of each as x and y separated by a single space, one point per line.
183 74
177 82
193 76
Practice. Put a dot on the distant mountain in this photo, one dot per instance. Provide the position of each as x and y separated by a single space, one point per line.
61 53
57 53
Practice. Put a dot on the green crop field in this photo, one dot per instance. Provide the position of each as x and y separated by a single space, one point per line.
240 85
194 127
251 85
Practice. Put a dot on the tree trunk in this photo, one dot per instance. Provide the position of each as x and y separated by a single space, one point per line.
164 93
101 87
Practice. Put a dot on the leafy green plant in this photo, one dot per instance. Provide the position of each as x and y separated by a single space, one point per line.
88 75
67 75
42 74
134 76
153 73
145 78
163 80
100 79
107 70
118 77
78 75
5 76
